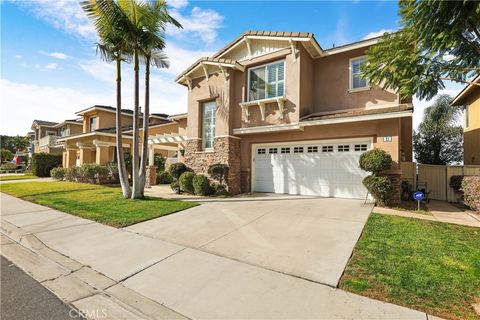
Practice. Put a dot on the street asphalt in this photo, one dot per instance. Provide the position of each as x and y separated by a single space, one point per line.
24 298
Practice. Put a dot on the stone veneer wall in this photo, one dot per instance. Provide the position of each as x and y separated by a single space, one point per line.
226 151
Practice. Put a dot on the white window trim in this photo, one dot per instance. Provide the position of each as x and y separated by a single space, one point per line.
204 149
264 65
350 77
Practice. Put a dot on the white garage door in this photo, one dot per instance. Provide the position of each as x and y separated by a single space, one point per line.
318 169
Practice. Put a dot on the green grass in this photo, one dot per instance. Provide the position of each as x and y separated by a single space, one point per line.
18 177
429 266
99 203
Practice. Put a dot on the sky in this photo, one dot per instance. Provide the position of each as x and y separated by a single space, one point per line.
50 69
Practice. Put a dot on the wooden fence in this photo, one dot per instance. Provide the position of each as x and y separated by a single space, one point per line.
436 178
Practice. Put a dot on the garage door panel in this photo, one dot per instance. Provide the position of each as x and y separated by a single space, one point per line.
329 170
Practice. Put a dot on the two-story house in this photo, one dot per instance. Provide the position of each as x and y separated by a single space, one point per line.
469 99
45 134
96 143
290 117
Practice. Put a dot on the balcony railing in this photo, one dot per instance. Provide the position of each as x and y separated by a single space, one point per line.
48 141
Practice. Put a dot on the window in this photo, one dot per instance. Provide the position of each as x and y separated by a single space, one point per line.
261 151
285 150
298 150
356 81
327 149
312 149
93 123
360 147
344 148
208 125
272 150
267 81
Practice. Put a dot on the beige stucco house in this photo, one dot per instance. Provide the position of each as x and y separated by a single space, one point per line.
44 134
469 99
290 117
96 142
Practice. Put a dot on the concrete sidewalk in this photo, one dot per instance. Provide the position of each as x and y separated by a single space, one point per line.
112 273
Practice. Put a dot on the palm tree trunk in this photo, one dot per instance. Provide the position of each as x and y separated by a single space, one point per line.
135 160
122 171
146 114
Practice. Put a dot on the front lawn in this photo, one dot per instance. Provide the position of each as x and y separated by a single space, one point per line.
18 177
98 203
424 265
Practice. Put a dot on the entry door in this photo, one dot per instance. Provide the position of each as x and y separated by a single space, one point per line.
317 169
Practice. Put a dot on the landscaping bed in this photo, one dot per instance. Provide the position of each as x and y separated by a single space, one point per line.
99 203
424 265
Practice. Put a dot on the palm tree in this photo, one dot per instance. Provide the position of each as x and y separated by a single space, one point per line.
113 29
152 44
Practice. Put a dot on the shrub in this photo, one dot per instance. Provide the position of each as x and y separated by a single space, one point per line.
42 163
176 169
72 174
175 186
471 192
218 171
186 182
5 155
164 178
90 172
380 187
58 173
456 182
112 168
375 160
201 185
8 166
219 189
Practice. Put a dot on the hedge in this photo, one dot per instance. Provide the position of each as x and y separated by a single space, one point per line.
186 182
471 191
176 169
201 185
43 162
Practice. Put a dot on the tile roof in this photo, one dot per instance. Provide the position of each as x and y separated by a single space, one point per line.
45 123
206 59
360 112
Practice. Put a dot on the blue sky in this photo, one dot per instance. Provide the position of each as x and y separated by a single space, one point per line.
49 68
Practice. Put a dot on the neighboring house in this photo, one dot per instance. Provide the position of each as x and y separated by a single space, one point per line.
96 143
469 99
44 136
290 117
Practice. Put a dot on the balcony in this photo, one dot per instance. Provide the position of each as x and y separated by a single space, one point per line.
48 141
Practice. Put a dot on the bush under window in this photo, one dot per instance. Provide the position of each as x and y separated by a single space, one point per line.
176 169
164 177
201 185
219 172
186 182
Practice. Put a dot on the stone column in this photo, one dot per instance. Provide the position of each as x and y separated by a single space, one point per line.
150 176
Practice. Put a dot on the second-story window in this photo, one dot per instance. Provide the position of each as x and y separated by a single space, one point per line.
356 80
93 124
208 124
267 81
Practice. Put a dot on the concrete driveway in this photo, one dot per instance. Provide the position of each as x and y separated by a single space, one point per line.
311 238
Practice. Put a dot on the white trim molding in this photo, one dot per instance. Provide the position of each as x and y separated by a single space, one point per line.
270 128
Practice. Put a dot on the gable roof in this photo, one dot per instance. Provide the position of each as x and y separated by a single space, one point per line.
466 92
44 123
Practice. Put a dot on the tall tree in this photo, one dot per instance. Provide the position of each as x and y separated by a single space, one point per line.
439 139
152 44
114 30
14 143
438 41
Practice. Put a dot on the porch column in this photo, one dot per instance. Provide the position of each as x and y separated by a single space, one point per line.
102 155
86 153
70 158
151 155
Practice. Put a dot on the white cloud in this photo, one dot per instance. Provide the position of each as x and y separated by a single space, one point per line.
201 23
62 14
51 66
17 56
23 65
180 59
22 103
56 55
377 33
177 4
